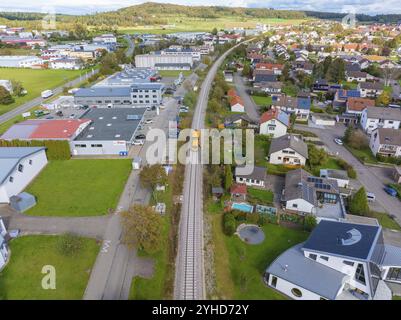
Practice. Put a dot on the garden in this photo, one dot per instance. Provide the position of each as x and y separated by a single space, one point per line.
72 257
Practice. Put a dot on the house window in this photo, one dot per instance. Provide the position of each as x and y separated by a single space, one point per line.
11 179
296 292
324 258
96 145
360 274
30 162
20 168
348 263
294 205
313 256
274 281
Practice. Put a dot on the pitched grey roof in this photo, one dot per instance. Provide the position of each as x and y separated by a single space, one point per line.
289 141
11 156
389 136
392 256
259 173
294 267
383 113
104 92
371 85
352 240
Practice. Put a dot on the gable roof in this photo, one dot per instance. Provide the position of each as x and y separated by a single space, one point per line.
358 104
238 189
258 173
289 141
235 100
11 156
371 85
389 136
277 114
383 113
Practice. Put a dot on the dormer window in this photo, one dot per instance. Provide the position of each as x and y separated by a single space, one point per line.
20 168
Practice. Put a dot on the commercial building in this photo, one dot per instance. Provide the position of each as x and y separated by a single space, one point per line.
150 60
18 167
20 61
110 132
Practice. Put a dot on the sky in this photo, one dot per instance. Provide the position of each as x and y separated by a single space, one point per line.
91 6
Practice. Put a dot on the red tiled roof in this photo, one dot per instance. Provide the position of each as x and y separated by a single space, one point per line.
238 189
235 100
358 104
57 129
269 66
268 115
232 93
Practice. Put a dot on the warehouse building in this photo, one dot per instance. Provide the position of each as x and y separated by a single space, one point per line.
128 77
111 131
138 95
150 60
20 61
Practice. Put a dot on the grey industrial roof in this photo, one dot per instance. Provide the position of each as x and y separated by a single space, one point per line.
109 124
258 173
294 267
289 141
103 92
392 256
171 64
11 156
383 113
344 239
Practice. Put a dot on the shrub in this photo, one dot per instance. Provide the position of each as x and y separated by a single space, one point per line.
229 224
359 203
69 244
252 218
310 222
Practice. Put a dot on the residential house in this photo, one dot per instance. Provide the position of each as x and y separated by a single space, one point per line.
263 75
388 64
256 178
341 96
341 176
237 104
274 122
370 89
240 121
377 117
228 75
305 194
385 142
299 105
271 87
358 76
288 150
304 66
4 252
339 261
18 167
275 67
357 105
238 192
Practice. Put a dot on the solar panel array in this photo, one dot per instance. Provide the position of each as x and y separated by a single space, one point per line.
315 179
322 186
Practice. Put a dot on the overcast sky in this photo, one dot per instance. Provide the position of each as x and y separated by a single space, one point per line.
91 6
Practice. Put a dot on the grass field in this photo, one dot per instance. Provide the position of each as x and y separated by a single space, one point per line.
385 220
330 163
261 196
183 23
174 73
22 277
240 266
262 101
35 81
79 187
363 155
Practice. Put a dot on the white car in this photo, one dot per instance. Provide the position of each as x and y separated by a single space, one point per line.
137 142
148 121
338 141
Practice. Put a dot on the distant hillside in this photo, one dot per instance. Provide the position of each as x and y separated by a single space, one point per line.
380 18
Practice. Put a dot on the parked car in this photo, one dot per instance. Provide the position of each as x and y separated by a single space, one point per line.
140 137
390 191
338 141
370 196
72 116
138 142
59 113
148 121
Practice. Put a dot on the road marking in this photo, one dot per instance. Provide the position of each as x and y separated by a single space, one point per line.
106 246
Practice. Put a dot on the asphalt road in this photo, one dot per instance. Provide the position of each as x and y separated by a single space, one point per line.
251 109
371 179
131 46
189 278
37 101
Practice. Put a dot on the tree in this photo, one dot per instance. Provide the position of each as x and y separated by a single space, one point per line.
348 134
316 156
214 31
142 227
358 140
5 96
384 99
359 203
229 178
336 71
152 175
18 89
229 224
246 71
310 222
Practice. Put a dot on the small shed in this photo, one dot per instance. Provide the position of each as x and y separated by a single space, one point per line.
22 202
136 163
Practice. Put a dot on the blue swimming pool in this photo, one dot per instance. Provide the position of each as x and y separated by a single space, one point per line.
242 207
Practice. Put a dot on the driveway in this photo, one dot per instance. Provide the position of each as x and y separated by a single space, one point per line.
251 109
373 179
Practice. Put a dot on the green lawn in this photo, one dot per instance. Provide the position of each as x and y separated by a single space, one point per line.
242 273
330 163
262 101
22 277
79 187
350 85
363 155
261 149
154 288
396 297
385 220
174 73
35 81
261 196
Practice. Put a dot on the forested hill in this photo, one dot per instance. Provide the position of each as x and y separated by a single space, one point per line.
380 18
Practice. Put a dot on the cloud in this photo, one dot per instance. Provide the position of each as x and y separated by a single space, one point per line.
90 6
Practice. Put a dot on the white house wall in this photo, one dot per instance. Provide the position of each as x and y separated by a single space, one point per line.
279 130
277 158
302 205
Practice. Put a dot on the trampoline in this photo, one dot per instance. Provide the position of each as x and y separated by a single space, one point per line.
251 234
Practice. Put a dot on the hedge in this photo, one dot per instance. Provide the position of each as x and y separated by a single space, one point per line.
55 149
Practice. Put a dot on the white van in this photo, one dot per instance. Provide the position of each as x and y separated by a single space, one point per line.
370 196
